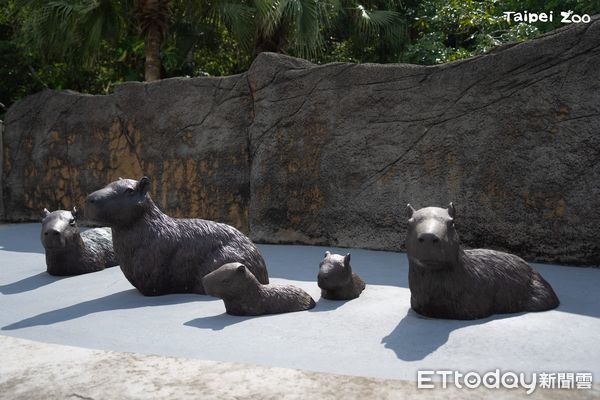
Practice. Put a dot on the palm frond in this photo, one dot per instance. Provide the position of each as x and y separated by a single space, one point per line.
372 22
239 19
268 14
71 29
306 18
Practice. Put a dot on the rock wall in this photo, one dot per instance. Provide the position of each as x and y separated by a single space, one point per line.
1 166
188 135
295 152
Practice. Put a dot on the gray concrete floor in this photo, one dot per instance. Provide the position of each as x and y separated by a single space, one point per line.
40 371
374 336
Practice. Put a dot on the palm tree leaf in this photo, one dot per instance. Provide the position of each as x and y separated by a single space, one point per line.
71 29
371 22
239 19
268 13
306 18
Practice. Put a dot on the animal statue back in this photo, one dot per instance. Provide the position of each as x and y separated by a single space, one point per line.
159 254
243 294
447 281
71 252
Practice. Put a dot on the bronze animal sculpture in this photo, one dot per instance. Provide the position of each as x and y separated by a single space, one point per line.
449 282
336 278
159 254
71 252
243 294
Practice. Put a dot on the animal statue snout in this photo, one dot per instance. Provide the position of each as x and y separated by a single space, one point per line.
428 238
53 238
53 232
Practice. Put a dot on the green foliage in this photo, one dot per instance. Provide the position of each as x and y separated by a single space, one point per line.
26 68
590 7
305 28
370 31
71 30
17 77
445 31
451 30
91 45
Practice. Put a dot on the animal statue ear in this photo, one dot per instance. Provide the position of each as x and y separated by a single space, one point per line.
347 260
75 213
45 213
241 268
410 210
451 210
327 254
144 185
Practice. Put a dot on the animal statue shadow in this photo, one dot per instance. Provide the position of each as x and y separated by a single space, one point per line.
159 254
127 299
324 305
30 283
448 282
71 252
243 294
415 337
218 322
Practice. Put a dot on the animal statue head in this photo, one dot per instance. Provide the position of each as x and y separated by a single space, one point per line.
432 241
120 203
59 228
229 280
334 271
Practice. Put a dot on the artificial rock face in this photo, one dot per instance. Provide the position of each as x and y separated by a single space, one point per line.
243 294
295 152
448 282
70 252
159 254
336 279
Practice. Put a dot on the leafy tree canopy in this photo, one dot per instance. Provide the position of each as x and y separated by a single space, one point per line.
91 45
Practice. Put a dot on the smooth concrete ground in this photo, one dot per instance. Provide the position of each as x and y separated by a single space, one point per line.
374 336
40 371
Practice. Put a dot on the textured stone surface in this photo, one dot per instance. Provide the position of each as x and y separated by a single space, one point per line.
512 138
299 153
32 370
187 134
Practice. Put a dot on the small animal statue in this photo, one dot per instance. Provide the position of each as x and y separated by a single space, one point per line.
448 282
70 252
159 254
243 294
336 279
